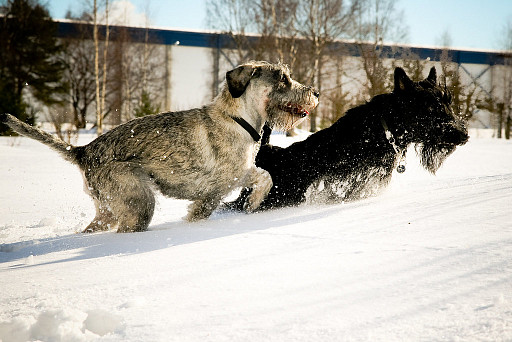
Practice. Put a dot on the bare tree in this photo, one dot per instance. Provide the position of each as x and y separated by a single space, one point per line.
499 100
507 78
235 19
100 92
257 30
378 22
466 98
104 83
80 68
320 23
80 75
137 77
296 32
147 103
125 71
337 98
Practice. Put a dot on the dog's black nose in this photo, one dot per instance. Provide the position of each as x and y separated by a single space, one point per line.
315 92
465 138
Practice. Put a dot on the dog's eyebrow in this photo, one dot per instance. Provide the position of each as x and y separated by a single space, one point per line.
278 74
257 72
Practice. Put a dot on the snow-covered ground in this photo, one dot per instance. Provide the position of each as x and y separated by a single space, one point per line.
430 259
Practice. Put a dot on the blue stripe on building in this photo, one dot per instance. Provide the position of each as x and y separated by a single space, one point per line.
219 40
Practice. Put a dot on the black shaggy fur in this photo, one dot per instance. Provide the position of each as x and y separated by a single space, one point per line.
354 158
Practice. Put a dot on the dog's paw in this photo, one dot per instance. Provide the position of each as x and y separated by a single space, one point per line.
238 204
201 209
254 200
194 217
251 207
96 226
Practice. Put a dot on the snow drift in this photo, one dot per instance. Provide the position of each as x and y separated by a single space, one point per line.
427 260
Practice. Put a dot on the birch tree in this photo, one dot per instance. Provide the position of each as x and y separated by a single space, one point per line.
99 117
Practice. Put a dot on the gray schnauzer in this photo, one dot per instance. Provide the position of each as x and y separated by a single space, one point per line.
200 154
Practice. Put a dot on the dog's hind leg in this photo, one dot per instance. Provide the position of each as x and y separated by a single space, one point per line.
135 210
104 219
123 197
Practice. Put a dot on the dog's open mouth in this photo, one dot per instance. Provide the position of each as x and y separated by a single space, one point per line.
295 109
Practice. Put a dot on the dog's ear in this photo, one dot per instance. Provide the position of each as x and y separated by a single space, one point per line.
402 81
432 76
238 80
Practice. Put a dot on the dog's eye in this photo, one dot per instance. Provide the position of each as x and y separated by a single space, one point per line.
447 97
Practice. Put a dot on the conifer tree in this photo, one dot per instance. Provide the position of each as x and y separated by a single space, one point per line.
145 106
29 58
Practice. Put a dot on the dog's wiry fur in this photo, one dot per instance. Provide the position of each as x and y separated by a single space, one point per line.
199 154
355 157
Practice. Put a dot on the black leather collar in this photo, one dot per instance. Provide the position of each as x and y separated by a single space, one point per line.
247 126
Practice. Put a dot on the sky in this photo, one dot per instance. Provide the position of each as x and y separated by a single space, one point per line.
472 24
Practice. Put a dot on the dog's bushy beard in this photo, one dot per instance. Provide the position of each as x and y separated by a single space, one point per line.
432 156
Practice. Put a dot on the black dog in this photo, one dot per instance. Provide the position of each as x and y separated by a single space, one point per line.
355 157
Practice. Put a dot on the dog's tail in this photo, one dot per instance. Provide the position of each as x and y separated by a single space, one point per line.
65 149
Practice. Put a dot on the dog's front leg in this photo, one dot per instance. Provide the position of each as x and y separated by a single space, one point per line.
261 182
202 208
